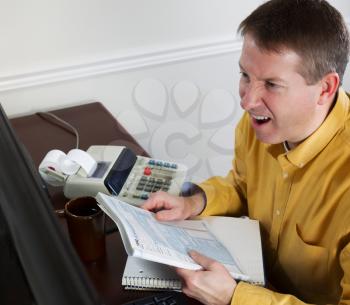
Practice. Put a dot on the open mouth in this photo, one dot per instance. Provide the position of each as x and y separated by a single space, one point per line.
260 119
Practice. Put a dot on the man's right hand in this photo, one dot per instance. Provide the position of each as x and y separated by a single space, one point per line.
169 207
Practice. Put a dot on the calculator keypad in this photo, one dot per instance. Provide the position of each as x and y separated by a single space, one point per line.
149 176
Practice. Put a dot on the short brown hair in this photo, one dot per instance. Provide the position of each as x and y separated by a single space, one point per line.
313 29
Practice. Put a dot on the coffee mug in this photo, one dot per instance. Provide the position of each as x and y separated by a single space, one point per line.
86 222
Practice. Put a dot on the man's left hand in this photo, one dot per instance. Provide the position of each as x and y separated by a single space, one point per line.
212 286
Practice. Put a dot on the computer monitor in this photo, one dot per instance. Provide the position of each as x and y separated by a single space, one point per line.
37 263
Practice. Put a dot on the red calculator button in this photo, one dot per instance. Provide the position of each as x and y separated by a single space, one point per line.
147 171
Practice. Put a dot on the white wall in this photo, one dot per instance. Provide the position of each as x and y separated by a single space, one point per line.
43 34
160 66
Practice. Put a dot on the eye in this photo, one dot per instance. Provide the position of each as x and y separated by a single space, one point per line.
244 75
271 85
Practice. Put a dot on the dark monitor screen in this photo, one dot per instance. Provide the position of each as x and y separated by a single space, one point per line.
37 263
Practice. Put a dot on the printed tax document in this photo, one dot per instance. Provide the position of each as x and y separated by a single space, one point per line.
167 242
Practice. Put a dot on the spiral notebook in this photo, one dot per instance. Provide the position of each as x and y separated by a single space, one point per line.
234 242
140 274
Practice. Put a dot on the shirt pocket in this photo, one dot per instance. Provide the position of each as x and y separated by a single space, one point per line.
310 262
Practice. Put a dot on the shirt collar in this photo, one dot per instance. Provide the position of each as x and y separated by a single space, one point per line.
315 143
286 146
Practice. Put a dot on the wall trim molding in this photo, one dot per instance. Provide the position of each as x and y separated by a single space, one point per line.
119 64
122 63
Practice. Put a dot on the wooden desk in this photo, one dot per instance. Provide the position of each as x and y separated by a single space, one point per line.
96 126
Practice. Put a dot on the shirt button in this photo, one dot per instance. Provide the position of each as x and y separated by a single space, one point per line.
278 212
285 175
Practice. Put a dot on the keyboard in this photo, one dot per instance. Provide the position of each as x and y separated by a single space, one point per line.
165 298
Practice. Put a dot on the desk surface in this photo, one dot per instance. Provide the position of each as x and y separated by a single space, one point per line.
96 126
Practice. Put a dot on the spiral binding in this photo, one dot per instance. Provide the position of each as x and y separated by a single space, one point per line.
141 283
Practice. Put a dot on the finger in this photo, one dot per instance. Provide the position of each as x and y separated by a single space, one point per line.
160 204
184 273
206 262
148 205
167 215
154 202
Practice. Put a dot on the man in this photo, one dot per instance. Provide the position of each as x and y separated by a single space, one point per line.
292 162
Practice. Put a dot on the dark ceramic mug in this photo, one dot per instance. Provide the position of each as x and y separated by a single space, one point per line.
86 222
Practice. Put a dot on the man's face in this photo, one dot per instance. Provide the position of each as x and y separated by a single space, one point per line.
281 105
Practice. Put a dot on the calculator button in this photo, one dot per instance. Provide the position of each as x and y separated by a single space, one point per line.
144 196
147 171
141 183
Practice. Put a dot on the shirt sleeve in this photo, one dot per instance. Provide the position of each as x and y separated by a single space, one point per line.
248 294
345 282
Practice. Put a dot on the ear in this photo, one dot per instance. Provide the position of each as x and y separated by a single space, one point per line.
329 87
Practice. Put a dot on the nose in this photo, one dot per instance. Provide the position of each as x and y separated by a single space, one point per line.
250 96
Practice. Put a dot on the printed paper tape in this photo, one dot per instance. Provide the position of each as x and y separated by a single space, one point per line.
57 166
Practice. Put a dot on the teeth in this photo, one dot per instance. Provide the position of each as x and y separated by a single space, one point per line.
260 117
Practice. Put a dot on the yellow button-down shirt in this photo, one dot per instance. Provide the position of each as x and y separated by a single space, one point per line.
302 200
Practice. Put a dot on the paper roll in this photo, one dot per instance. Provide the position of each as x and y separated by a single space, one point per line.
81 157
50 169
57 166
68 166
